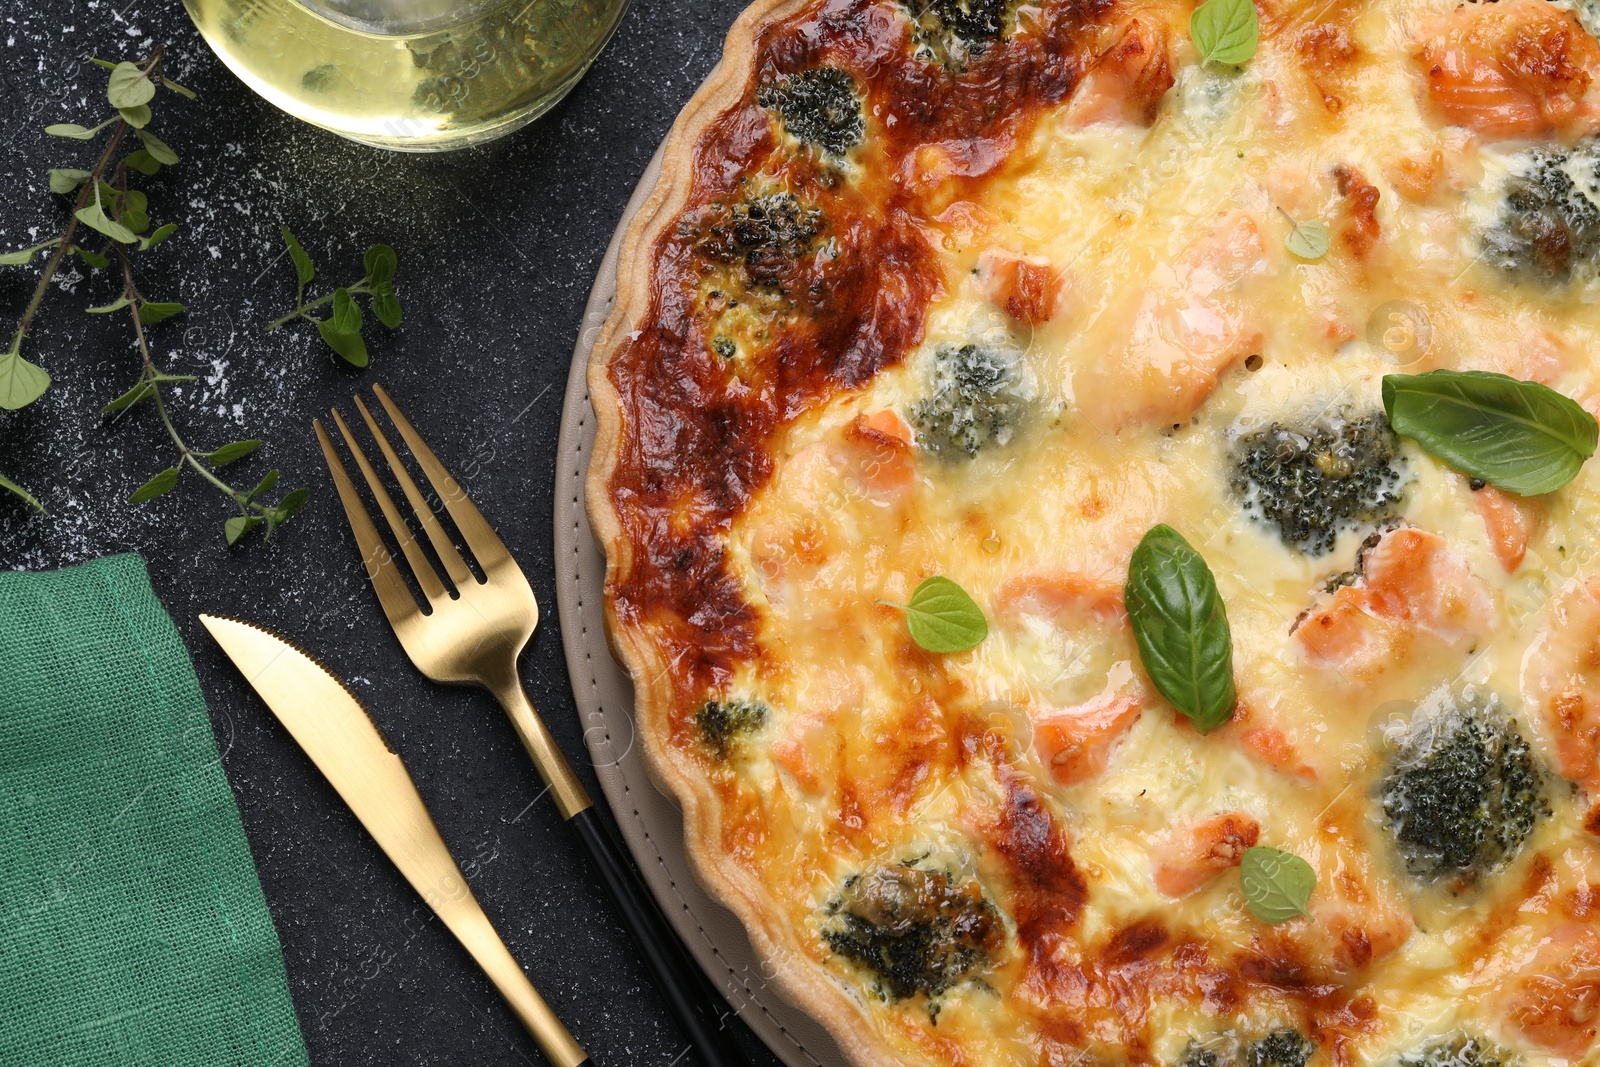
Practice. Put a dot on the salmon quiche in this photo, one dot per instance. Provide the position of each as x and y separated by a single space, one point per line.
1098 521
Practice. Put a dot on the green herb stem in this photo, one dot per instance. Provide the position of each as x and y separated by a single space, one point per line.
358 289
54 263
152 377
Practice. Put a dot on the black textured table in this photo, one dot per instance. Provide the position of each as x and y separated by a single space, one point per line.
497 249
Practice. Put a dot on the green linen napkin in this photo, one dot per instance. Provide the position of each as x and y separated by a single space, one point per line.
132 925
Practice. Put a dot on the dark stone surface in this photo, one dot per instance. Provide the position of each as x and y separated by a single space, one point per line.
498 247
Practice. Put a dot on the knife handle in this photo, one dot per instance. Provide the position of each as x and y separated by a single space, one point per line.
694 1002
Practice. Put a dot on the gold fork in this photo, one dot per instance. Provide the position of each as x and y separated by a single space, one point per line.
475 637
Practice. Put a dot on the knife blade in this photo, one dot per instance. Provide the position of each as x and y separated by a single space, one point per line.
335 730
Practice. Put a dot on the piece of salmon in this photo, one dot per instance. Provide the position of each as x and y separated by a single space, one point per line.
1513 69
1194 855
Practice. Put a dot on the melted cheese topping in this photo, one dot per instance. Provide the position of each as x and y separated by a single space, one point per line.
1177 321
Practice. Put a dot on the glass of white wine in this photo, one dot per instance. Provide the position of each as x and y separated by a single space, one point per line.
412 75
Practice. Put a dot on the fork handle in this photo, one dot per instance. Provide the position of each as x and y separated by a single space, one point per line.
700 1011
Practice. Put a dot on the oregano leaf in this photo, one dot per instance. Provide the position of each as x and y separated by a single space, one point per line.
71 130
129 87
302 262
25 255
93 217
141 161
21 382
128 399
151 312
137 117
233 452
238 526
105 309
161 483
16 490
387 308
269 480
943 618
1277 885
350 347
157 148
1309 240
66 179
381 263
346 313
161 233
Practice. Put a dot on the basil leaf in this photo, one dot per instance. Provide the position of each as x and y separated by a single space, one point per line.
1182 627
1522 437
943 618
1309 240
1226 31
1277 885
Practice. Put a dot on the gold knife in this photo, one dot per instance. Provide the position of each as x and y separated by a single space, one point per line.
340 737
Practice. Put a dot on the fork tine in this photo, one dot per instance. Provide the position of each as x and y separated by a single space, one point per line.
477 532
398 603
426 576
442 544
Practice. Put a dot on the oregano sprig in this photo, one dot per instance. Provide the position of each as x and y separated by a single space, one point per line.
341 330
106 205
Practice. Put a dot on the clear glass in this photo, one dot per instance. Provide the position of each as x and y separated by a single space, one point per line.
411 75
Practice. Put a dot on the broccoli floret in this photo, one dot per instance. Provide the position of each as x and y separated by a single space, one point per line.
971 403
1312 482
1455 1051
953 31
1548 229
1281 1048
1588 12
723 722
1463 790
916 931
820 106
724 347
765 235
975 22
